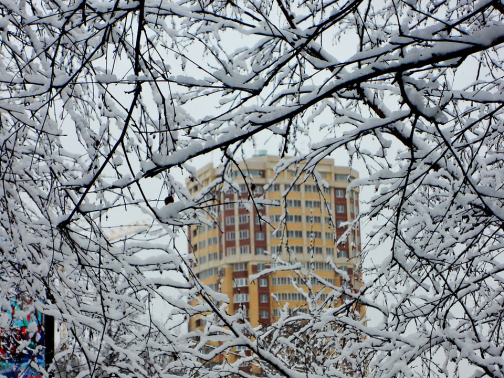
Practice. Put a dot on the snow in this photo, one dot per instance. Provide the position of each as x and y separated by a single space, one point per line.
209 82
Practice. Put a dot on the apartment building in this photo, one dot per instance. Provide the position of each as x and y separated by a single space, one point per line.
301 225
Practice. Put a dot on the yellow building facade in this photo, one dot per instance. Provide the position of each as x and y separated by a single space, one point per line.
300 223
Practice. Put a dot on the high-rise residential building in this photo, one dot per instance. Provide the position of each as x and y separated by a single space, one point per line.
301 223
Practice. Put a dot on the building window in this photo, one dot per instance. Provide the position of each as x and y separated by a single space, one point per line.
329 251
243 219
230 251
240 298
202 259
261 267
294 218
311 189
238 173
230 236
263 298
313 219
240 282
243 188
293 203
276 187
241 347
339 177
202 244
229 206
256 172
263 282
294 233
295 249
244 234
264 314
258 189
208 273
213 256
340 193
240 267
314 234
276 249
340 209
342 254
283 281
329 236
244 250
277 281
312 204
230 221
259 235
212 241
289 296
260 251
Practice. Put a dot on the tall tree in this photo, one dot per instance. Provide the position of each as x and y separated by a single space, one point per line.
101 102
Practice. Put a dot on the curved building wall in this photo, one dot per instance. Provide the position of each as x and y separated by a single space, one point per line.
245 236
